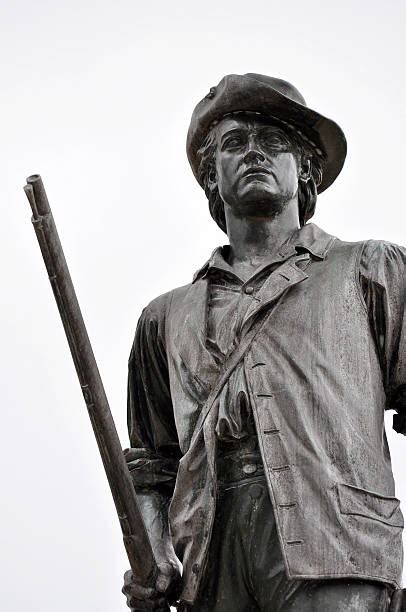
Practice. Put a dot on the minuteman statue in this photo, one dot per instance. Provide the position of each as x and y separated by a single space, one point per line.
257 392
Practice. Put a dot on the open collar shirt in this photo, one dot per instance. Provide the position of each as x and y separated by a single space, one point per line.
229 298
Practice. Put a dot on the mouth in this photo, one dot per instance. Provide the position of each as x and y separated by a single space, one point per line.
255 171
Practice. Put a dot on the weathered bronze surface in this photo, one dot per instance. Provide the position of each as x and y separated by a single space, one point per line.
257 392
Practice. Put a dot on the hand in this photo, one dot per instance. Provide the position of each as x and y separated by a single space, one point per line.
158 598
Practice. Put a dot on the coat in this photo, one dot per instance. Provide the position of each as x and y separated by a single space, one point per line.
329 358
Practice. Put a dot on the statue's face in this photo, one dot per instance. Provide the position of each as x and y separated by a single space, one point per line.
256 166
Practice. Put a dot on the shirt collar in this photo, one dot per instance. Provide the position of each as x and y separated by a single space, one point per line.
309 237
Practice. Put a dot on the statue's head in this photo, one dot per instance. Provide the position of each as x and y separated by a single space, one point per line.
255 166
254 145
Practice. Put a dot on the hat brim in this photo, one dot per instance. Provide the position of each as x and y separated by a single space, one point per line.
241 93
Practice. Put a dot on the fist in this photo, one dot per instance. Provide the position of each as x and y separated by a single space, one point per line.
157 598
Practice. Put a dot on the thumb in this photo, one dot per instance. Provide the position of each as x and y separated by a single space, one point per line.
162 583
166 574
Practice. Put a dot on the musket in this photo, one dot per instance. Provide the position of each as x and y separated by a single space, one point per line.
139 550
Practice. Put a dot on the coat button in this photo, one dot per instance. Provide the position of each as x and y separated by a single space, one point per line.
249 468
249 290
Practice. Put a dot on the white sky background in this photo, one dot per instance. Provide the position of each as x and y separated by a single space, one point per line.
97 97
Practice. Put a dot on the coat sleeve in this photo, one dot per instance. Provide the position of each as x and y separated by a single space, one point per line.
382 275
154 454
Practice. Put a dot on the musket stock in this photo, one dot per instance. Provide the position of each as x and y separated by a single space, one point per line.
136 540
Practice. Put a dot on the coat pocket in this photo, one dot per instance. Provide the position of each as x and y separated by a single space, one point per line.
361 502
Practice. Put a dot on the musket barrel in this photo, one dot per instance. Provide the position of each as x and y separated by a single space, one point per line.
138 546
40 195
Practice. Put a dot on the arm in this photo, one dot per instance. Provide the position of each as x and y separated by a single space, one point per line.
154 453
383 284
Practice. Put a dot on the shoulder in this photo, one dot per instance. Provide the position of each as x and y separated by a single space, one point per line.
379 258
157 308
382 249
372 253
150 332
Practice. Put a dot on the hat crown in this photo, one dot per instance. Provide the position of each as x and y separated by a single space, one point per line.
283 87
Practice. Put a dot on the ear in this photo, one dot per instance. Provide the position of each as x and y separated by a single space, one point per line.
305 170
212 179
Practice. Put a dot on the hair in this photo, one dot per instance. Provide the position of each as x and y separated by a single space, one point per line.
307 191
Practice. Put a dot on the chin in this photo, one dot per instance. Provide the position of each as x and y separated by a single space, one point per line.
261 202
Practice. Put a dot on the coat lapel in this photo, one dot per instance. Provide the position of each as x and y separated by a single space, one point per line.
287 275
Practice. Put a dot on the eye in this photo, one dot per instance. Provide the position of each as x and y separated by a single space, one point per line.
275 141
233 141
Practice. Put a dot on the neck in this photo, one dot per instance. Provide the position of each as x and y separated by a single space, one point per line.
253 239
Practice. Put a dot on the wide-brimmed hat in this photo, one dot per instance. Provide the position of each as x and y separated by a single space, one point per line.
273 98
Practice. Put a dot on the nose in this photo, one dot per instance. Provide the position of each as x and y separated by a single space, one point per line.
253 155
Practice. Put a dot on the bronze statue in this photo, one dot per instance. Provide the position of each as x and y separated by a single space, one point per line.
256 393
